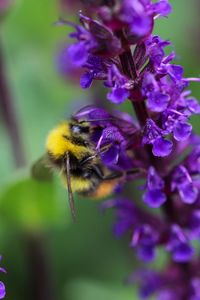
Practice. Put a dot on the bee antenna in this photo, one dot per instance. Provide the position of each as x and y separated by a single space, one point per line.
96 120
69 188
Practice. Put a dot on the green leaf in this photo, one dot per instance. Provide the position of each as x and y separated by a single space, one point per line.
94 290
31 204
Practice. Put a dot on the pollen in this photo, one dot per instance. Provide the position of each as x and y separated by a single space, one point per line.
105 189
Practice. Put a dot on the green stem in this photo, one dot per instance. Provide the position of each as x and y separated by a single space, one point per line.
9 115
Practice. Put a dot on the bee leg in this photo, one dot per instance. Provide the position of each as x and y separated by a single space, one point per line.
85 160
113 175
91 157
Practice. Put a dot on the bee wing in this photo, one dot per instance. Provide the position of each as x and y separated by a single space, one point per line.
41 169
69 188
94 115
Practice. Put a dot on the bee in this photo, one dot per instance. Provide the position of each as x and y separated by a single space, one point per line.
70 150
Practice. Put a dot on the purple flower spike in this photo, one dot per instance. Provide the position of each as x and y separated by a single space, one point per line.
157 146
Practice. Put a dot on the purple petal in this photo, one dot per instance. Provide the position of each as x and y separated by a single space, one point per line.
141 25
182 131
63 63
146 253
181 177
111 156
194 223
154 198
118 95
151 132
176 72
92 112
183 252
167 295
162 147
2 290
195 284
121 227
193 105
86 80
154 182
78 54
156 55
188 193
158 102
162 8
149 84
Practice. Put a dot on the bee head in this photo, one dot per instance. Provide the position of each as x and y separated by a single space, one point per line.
80 130
68 136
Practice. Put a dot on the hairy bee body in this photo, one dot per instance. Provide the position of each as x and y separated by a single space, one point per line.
87 174
74 148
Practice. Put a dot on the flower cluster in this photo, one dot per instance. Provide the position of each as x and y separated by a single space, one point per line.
114 44
170 284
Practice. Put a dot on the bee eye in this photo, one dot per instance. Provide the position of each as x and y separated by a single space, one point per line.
79 129
76 129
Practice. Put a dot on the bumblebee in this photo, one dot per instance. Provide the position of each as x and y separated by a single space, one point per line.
70 150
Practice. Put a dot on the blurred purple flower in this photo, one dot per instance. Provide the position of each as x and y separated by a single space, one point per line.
182 181
154 195
2 286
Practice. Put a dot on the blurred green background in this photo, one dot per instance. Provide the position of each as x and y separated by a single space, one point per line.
45 254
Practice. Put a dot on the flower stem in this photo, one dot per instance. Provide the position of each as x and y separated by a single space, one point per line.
9 116
129 69
41 278
169 211
138 102
41 281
